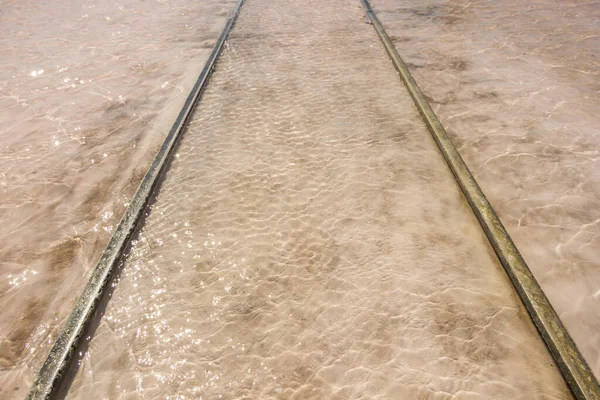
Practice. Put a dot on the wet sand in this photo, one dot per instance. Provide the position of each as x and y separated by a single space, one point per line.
87 92
517 86
309 241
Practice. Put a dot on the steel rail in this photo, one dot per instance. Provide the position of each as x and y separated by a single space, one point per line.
569 359
62 353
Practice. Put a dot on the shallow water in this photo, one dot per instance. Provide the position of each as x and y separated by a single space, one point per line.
87 92
517 86
309 241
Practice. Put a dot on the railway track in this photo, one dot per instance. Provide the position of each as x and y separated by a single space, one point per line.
572 365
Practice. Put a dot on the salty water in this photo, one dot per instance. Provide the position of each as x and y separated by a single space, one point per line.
88 89
517 86
309 241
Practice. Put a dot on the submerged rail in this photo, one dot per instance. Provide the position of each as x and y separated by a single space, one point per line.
62 353
571 363
569 359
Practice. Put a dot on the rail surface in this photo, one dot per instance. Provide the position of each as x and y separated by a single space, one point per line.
569 359
62 353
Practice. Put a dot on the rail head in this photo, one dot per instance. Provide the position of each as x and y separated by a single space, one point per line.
62 353
572 364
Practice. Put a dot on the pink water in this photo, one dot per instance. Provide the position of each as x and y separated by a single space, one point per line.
517 85
87 92
310 242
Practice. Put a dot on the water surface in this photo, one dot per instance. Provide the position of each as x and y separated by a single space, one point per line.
517 86
88 90
309 241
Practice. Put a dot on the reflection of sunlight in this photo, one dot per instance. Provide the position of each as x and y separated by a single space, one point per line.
20 278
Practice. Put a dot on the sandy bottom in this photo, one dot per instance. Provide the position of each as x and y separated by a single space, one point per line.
309 241
517 85
87 92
